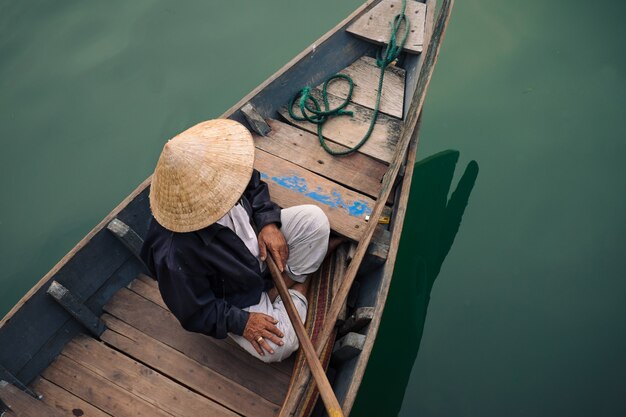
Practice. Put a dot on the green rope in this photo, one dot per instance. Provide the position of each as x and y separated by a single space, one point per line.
311 109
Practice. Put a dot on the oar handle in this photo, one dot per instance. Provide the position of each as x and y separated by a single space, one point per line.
326 391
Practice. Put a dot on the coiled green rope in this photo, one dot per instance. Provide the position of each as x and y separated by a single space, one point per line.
311 110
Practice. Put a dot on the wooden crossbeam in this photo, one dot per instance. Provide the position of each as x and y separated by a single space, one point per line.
348 131
78 310
374 26
365 74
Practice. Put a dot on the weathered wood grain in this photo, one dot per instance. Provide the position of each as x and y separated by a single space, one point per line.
366 74
184 370
66 403
348 347
238 366
357 171
361 317
291 185
349 131
374 25
127 236
138 379
255 120
22 404
98 391
77 309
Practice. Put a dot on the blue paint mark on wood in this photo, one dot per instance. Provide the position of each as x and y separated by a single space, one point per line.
357 208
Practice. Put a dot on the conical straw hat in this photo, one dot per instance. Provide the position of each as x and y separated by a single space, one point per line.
201 174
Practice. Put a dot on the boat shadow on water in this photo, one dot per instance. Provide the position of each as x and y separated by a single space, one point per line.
430 228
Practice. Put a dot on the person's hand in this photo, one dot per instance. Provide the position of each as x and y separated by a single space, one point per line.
271 239
259 328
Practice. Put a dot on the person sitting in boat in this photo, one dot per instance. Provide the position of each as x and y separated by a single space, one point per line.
212 228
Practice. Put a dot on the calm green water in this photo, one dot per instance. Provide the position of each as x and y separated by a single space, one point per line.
526 302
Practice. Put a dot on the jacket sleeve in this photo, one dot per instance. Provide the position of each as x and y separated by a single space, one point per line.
191 299
264 211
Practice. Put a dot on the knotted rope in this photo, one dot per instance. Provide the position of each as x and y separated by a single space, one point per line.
311 110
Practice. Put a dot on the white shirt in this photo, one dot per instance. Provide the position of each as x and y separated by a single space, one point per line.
238 221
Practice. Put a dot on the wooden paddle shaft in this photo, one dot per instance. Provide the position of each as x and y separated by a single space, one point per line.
415 108
326 391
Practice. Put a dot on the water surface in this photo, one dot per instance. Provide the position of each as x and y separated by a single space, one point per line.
522 308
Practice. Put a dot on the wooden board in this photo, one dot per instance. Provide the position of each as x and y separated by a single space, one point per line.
291 185
366 74
238 366
140 380
98 391
357 171
349 131
374 25
184 370
66 403
22 404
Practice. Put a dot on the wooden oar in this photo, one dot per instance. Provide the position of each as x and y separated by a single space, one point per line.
415 108
326 391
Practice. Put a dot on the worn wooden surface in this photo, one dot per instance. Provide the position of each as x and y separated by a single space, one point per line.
236 365
374 25
78 310
366 74
98 391
291 185
66 403
22 404
361 317
140 380
348 347
255 120
127 236
357 171
185 370
349 131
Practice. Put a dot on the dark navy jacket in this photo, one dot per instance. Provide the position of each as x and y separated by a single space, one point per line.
206 277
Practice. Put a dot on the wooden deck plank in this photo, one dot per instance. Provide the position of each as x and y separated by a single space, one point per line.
66 403
365 74
291 185
357 171
185 370
161 325
98 391
148 288
349 131
374 25
22 404
138 379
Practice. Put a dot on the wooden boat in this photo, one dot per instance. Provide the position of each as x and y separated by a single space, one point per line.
93 336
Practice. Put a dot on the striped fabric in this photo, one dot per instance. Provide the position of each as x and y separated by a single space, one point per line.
320 296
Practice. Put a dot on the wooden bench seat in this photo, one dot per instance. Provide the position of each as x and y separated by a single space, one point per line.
365 74
349 131
374 26
357 171
291 185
